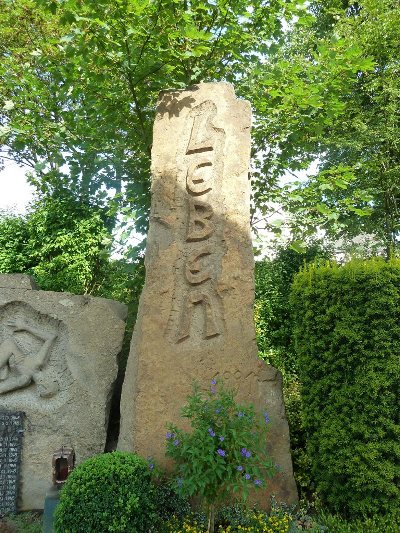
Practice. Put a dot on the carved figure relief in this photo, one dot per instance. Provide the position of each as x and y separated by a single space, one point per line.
34 364
200 309
17 369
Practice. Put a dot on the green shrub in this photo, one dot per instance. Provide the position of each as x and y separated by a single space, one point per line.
225 451
336 524
347 334
274 330
170 502
110 492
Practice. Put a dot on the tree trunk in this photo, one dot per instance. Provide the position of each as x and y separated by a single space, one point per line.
211 518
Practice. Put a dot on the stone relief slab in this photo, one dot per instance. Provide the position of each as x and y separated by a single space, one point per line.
58 364
195 319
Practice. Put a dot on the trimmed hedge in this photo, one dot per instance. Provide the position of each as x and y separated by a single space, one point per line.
111 492
347 337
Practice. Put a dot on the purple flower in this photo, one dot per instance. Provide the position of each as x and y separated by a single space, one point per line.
218 410
213 381
247 476
243 452
151 466
257 482
240 414
169 435
222 438
221 452
266 417
211 432
213 390
240 468
176 442
248 454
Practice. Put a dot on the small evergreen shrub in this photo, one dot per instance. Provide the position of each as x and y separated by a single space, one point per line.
347 334
110 492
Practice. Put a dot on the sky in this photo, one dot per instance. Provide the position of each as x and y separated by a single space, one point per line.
15 192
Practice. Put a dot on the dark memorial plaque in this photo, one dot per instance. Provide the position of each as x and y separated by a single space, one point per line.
11 432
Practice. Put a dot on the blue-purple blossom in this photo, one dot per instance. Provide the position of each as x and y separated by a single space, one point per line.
151 466
257 482
240 468
176 442
221 452
247 476
266 417
222 438
211 432
240 414
169 435
213 390
243 452
213 381
248 454
217 410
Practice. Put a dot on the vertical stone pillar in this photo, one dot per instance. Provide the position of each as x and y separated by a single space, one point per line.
195 318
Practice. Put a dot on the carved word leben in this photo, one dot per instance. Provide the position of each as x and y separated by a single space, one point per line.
201 155
18 370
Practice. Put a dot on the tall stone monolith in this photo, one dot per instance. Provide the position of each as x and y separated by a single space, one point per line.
195 319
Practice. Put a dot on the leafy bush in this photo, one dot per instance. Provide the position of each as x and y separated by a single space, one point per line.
224 452
347 333
169 501
274 325
110 492
384 524
62 241
273 316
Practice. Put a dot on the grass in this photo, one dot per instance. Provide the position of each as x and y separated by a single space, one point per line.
22 523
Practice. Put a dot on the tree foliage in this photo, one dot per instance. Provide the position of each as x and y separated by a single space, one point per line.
79 82
64 244
355 47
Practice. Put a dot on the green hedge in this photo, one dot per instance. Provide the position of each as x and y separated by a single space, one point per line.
111 492
347 337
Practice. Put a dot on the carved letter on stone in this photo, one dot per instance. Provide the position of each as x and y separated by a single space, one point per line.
200 226
196 182
210 327
195 273
200 138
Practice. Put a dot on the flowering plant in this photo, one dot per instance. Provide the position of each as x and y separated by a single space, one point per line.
225 452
